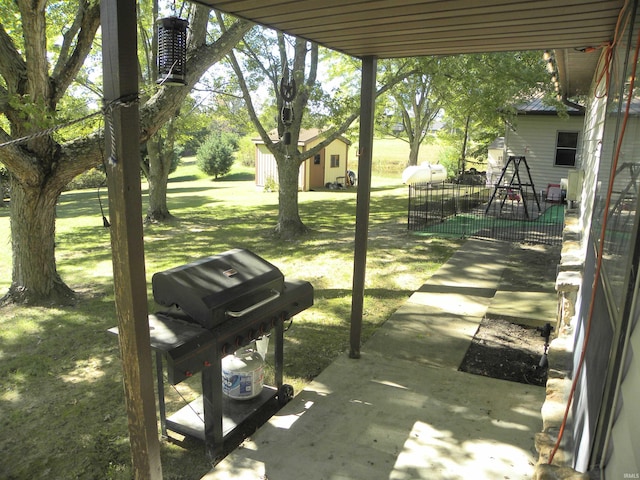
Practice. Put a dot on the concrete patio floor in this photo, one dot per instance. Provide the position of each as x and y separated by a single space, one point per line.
403 410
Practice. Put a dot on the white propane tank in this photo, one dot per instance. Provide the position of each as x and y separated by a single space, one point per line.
424 173
243 374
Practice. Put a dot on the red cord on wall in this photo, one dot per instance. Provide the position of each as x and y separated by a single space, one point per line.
596 279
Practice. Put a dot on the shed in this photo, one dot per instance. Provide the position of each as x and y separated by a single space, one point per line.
329 166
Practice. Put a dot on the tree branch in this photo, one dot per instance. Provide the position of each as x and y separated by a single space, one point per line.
249 103
65 72
4 99
67 40
313 71
163 104
18 162
396 78
32 15
12 66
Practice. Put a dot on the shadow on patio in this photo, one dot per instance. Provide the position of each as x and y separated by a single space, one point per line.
403 410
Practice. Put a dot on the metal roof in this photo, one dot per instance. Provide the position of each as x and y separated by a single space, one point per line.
408 28
537 106
307 135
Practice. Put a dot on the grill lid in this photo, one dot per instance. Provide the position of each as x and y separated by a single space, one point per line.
208 288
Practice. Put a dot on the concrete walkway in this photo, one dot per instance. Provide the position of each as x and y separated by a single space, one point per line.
403 411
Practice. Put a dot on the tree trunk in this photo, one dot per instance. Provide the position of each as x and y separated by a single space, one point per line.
35 279
2 187
159 166
414 149
41 168
463 155
289 223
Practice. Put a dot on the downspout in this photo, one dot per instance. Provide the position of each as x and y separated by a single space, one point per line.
365 148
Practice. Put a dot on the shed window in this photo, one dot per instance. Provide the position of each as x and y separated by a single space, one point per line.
566 148
335 161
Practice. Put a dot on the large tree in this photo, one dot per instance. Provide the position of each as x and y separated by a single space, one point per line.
481 89
37 69
268 57
416 102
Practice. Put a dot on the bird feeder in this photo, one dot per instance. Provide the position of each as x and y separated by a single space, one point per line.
172 51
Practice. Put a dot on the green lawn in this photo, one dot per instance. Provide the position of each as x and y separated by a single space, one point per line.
390 157
62 411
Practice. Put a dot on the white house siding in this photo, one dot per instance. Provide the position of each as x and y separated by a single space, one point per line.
592 156
621 458
266 167
584 407
534 137
495 161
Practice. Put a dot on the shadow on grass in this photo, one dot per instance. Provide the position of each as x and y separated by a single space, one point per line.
183 179
237 177
61 371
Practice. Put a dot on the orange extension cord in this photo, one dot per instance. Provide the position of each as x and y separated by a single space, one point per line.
587 333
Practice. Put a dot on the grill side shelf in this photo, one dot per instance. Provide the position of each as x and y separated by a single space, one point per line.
187 346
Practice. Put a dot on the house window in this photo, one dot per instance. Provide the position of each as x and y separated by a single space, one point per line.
566 148
335 161
316 159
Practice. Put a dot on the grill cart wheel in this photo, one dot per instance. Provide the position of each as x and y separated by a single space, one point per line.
285 395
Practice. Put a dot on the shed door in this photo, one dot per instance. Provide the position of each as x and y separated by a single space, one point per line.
316 170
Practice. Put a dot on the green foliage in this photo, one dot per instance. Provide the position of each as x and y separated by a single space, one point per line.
215 155
270 185
4 184
480 89
74 106
246 153
94 178
176 155
449 159
35 114
474 91
192 125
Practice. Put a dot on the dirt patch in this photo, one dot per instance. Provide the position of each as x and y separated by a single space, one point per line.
507 351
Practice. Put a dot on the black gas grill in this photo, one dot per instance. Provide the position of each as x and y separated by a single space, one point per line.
214 306
219 288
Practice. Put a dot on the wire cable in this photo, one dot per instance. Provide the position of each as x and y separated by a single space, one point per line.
108 109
